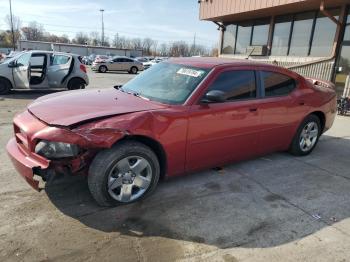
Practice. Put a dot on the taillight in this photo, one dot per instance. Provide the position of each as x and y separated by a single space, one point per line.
83 68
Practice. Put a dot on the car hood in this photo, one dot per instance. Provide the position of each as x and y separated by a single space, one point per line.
73 107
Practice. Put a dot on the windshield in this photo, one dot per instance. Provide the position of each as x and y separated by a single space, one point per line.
10 59
167 83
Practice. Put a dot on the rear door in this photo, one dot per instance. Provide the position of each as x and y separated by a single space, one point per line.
276 108
127 64
60 67
21 72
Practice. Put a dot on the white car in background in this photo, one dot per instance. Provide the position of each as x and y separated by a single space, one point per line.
42 70
152 62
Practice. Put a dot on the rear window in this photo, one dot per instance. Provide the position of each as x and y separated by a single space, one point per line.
59 59
276 84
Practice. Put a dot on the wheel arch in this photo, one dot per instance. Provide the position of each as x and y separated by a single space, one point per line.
8 80
322 118
157 148
75 77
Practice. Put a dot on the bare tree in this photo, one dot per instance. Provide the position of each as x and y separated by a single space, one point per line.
136 43
94 38
179 48
16 21
81 38
164 49
146 45
154 48
33 31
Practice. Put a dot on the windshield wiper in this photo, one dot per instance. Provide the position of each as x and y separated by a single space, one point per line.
119 87
140 96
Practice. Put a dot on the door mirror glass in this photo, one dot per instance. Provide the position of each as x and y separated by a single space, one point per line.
214 96
12 64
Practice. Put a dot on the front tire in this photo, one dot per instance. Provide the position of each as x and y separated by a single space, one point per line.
5 86
123 174
306 138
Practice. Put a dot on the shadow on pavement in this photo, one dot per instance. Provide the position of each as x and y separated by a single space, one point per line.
260 203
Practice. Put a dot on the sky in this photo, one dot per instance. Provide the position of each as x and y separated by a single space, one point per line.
162 20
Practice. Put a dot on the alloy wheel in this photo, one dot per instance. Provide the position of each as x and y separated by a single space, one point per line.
308 136
129 178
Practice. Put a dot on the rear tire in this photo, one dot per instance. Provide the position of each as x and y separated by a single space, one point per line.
306 137
102 69
133 70
115 178
76 83
5 86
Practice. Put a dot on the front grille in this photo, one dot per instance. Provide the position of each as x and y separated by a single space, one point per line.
21 138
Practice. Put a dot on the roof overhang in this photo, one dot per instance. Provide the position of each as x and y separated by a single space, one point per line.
219 12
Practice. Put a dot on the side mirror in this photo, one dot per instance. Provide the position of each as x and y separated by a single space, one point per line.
12 64
214 96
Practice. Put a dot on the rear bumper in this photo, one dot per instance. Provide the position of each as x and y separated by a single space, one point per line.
24 163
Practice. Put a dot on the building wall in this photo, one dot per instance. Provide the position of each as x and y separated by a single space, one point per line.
235 10
216 8
77 49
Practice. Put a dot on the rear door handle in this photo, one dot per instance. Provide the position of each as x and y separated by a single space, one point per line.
253 109
301 103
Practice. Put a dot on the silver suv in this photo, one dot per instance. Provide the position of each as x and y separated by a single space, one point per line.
118 63
42 70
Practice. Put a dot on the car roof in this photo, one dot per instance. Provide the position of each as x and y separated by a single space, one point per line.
211 62
50 52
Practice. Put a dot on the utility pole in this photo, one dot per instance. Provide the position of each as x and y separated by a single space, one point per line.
12 32
103 28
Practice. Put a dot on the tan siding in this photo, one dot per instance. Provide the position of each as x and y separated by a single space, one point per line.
217 8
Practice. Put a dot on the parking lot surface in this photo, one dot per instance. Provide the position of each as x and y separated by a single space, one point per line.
274 208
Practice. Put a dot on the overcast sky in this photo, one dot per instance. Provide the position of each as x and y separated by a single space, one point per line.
162 20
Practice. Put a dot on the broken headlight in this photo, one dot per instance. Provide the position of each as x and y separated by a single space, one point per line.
56 149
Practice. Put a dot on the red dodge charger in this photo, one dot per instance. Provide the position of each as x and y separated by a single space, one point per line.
178 117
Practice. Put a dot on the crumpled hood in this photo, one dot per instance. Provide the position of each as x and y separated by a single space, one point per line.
72 107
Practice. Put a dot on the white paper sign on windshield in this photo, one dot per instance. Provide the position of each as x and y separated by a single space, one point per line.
190 72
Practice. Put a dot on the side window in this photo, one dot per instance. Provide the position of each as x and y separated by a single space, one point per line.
118 60
37 60
236 85
128 60
60 60
276 84
24 59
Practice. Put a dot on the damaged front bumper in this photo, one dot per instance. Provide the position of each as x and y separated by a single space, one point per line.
26 164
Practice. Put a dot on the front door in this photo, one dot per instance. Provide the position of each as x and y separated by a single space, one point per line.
116 65
228 131
60 67
21 72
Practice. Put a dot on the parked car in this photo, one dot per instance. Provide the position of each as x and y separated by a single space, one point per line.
178 117
42 70
85 60
118 63
152 62
101 58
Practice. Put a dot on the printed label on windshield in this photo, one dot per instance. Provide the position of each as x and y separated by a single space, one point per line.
189 72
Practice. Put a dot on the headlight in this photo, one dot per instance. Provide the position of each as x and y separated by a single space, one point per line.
56 149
